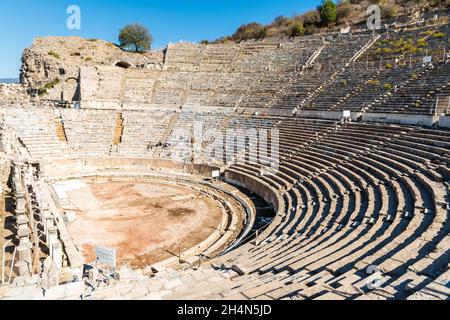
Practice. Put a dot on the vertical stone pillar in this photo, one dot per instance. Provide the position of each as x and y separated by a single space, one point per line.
57 255
23 259
23 233
42 214
20 203
48 222
39 200
17 183
21 219
52 238
28 176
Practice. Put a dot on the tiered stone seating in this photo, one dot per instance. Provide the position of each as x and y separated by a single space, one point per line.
143 130
334 56
396 196
332 72
348 196
213 75
171 88
138 86
348 83
183 56
101 83
180 139
409 45
220 57
419 94
36 129
90 133
378 86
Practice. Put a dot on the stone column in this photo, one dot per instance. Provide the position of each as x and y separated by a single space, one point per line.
41 205
52 238
23 259
57 255
20 203
28 176
49 221
23 233
42 214
21 219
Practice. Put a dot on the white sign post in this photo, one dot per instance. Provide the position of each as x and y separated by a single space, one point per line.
215 174
427 59
346 114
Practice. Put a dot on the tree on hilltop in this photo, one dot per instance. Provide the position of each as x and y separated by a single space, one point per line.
328 12
252 30
135 37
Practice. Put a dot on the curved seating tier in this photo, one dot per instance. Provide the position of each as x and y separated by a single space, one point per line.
348 196
365 195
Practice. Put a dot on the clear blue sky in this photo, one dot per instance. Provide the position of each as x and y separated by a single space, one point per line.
168 20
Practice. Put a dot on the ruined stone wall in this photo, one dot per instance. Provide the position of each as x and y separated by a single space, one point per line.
52 64
115 84
13 94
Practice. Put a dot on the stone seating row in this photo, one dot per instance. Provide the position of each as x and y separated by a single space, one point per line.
399 197
347 196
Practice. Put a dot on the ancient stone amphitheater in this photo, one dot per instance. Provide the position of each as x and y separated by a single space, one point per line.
357 209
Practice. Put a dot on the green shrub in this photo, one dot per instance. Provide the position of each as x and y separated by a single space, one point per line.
54 54
51 84
250 31
344 10
413 50
87 59
280 21
389 11
297 29
438 35
422 42
339 13
262 33
311 18
398 43
312 29
427 33
328 12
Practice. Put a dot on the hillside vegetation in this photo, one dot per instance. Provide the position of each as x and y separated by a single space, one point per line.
331 15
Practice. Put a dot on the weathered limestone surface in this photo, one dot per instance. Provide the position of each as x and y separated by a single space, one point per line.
56 60
13 94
